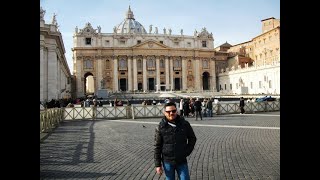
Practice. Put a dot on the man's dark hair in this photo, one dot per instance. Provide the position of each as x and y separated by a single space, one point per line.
170 103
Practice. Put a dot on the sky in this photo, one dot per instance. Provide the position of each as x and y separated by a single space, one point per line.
232 21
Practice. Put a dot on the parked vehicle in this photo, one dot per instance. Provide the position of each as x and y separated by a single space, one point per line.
265 98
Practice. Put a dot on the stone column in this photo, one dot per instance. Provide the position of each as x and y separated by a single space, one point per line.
52 73
213 82
135 73
95 84
58 94
130 73
171 73
184 73
79 74
99 69
167 72
197 75
115 74
43 75
158 73
144 71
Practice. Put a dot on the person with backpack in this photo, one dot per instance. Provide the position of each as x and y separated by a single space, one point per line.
174 141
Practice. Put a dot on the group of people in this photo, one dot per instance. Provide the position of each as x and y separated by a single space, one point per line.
195 108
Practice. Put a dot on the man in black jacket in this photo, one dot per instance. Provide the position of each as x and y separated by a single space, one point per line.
174 141
197 106
241 105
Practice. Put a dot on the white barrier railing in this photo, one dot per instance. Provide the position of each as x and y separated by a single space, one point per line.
51 118
153 111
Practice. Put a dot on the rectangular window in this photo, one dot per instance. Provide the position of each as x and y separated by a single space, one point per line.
188 44
122 42
205 64
162 63
139 41
161 42
204 43
88 64
251 85
107 43
139 64
230 86
107 64
88 41
260 86
225 86
270 86
162 73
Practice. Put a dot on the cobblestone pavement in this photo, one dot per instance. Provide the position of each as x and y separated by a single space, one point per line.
238 146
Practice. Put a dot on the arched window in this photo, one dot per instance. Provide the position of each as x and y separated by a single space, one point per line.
88 64
107 64
177 63
123 64
189 64
162 63
139 64
151 63
205 64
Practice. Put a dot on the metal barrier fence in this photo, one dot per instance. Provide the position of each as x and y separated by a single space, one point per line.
52 117
251 107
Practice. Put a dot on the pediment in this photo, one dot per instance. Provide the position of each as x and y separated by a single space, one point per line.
150 44
88 30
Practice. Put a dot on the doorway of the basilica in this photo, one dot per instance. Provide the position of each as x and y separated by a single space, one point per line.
177 84
88 84
151 84
140 86
123 84
205 80
162 88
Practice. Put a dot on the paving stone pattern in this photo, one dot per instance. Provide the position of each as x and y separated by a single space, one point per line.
115 150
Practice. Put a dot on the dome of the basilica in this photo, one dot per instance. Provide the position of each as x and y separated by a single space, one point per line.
130 25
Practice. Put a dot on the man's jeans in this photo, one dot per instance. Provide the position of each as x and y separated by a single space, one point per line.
209 112
198 113
182 171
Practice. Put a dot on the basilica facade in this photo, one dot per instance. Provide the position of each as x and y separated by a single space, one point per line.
130 58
